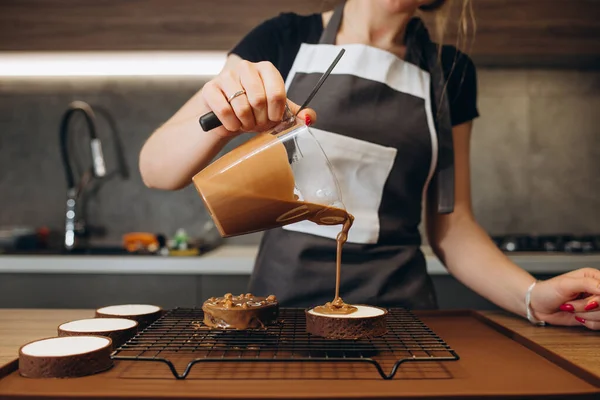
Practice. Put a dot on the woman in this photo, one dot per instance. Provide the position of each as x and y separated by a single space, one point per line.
395 120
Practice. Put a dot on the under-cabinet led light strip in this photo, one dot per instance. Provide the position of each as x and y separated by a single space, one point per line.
103 64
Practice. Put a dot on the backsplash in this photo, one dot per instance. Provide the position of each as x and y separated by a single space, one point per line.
535 153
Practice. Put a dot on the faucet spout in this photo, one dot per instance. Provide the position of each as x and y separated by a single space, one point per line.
98 165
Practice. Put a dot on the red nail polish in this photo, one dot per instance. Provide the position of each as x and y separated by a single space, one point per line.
591 306
567 307
307 120
579 319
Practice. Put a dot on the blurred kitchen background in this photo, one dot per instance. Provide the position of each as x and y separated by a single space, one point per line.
535 148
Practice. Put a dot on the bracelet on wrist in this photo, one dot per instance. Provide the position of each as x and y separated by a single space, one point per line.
528 309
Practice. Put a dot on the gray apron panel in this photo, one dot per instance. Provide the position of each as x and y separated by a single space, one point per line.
299 268
374 112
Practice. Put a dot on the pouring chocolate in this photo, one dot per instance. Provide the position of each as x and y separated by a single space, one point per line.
277 178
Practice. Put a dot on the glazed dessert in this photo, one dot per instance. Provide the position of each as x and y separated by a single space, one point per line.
65 357
363 322
119 330
339 320
245 311
143 314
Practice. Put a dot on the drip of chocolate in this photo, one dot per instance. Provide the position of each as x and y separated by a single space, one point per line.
367 321
337 306
245 311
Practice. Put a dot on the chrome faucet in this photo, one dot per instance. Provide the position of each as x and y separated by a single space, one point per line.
72 225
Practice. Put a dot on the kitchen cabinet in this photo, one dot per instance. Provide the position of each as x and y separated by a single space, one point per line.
26 290
535 33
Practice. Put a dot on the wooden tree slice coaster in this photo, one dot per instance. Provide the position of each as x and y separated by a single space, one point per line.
365 322
119 330
143 314
65 357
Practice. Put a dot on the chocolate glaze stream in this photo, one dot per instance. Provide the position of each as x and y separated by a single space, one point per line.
337 306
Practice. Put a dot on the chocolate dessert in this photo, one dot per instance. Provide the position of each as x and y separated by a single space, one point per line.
245 311
65 357
119 330
363 322
339 320
143 314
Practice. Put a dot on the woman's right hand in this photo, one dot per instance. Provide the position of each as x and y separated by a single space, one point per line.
260 108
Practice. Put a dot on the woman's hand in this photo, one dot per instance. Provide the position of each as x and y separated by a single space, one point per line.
260 108
569 299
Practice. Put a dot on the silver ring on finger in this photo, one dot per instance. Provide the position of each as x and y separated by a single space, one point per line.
236 94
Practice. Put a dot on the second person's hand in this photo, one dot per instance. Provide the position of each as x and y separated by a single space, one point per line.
260 106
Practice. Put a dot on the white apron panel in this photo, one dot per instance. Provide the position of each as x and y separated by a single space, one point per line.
364 62
362 169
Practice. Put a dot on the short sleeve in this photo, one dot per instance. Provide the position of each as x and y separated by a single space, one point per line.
461 77
261 44
278 40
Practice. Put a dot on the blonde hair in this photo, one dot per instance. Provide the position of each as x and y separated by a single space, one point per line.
444 12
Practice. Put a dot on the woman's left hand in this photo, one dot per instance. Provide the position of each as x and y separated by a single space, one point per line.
569 299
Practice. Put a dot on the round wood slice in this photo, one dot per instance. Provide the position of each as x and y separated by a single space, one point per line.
65 357
143 314
365 322
119 330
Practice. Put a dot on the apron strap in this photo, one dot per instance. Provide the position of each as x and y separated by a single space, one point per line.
421 51
333 26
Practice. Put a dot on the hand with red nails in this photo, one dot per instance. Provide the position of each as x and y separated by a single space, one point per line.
262 102
245 97
307 120
569 299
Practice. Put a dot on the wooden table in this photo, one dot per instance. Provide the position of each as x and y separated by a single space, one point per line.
20 326
476 341
576 344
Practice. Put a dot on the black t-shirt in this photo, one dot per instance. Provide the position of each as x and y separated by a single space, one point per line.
278 40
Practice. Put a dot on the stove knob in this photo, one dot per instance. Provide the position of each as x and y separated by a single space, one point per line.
509 245
587 247
550 246
573 246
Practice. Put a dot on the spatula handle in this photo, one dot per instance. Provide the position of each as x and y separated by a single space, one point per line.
209 121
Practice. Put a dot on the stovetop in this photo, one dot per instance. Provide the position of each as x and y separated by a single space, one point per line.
565 244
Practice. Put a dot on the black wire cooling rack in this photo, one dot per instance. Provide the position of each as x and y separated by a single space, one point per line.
179 337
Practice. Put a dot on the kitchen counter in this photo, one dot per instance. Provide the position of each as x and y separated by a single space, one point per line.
239 260
576 344
51 281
